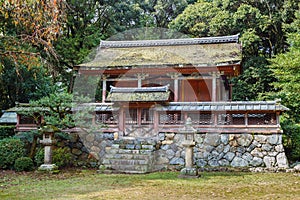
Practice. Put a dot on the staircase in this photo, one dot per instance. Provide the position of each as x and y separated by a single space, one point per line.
128 155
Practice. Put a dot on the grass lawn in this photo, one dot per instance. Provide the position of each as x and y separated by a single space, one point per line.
88 184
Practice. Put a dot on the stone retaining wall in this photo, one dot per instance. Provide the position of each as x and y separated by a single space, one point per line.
211 150
221 150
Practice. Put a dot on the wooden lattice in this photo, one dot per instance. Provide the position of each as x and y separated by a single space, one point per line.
262 119
106 118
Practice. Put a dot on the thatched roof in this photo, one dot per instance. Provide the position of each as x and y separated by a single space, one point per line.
211 51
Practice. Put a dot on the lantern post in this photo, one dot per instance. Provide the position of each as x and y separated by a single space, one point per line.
189 171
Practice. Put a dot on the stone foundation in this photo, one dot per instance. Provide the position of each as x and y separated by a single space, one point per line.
228 150
211 150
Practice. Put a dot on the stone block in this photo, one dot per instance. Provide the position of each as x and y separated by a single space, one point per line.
220 156
297 167
214 154
247 156
188 173
201 163
147 146
223 162
129 146
245 140
165 147
177 161
209 148
260 138
282 160
226 148
161 159
266 147
161 136
224 139
269 161
257 153
241 149
256 143
48 167
170 153
273 139
198 139
279 148
239 162
229 156
250 147
212 139
256 161
220 148
272 153
213 163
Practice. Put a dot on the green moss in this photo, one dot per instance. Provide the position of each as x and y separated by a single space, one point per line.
210 54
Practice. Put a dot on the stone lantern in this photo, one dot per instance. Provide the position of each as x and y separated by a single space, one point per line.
48 141
189 142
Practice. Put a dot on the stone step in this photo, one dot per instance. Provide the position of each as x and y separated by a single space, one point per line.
116 162
128 156
133 169
125 140
128 151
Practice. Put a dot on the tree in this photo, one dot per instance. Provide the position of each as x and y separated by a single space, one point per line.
254 82
285 68
262 34
27 57
27 25
62 111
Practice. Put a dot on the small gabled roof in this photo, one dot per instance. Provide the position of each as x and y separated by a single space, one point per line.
139 94
209 51
8 118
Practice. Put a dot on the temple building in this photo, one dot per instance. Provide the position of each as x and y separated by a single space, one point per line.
151 87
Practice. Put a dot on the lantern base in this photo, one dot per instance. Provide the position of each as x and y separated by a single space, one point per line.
48 167
189 173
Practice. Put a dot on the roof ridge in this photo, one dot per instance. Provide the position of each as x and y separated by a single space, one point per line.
169 42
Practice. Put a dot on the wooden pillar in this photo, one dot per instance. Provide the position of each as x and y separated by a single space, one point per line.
139 116
246 119
139 82
176 89
215 114
278 119
214 87
121 120
155 120
174 76
103 89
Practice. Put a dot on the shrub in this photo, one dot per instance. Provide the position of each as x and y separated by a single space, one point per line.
10 150
6 131
24 164
39 156
60 156
291 140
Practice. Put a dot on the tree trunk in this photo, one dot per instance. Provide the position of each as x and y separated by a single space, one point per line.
33 147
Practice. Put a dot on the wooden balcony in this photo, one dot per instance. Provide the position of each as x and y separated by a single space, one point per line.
207 117
226 117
